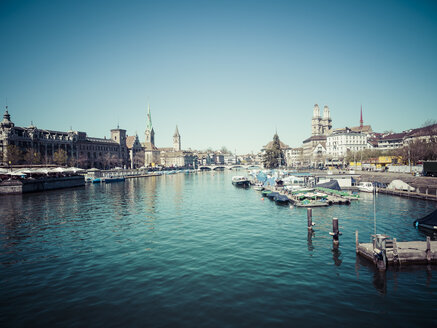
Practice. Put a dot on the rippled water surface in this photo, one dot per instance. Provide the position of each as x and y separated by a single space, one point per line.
194 251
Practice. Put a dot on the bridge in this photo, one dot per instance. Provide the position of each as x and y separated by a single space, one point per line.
216 167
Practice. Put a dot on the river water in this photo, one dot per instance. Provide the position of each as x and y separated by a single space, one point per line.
191 250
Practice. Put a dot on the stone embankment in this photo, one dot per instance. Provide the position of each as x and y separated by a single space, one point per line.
422 184
19 186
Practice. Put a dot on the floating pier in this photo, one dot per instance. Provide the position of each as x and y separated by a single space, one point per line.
384 251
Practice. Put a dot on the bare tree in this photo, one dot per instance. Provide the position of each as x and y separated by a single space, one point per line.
60 157
82 161
32 157
14 154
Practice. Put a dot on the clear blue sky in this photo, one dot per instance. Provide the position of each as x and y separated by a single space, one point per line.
228 73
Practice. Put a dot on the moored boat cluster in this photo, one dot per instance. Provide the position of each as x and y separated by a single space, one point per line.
298 190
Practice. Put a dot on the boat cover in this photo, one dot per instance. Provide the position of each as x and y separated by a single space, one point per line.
272 195
281 198
270 182
333 184
430 220
400 185
261 177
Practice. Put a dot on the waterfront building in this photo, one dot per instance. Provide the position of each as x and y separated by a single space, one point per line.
313 150
341 141
39 146
168 157
136 151
427 133
391 141
294 157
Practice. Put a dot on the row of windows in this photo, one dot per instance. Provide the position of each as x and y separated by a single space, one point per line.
104 148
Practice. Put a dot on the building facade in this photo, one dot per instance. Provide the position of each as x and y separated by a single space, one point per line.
40 146
343 140
168 157
294 157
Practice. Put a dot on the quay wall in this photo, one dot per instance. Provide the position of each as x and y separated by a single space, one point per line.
33 185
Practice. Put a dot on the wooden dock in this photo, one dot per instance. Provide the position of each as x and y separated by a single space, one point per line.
391 252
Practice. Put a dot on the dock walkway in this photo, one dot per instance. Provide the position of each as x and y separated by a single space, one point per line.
393 252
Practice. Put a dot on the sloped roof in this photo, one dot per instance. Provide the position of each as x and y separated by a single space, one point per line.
130 140
270 145
393 136
425 131
364 128
150 146
315 138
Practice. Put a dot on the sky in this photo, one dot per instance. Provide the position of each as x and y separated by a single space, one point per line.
227 73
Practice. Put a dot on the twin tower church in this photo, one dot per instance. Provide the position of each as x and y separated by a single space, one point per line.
172 156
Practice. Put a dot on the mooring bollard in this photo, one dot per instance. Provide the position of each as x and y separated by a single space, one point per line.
310 218
335 232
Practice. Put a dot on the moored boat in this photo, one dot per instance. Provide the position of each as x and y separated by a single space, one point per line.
258 187
240 181
366 186
114 179
272 195
281 199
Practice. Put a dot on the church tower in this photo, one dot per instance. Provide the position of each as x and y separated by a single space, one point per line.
150 133
151 153
177 140
326 121
316 126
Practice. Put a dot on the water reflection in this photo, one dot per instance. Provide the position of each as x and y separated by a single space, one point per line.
381 279
336 254
310 236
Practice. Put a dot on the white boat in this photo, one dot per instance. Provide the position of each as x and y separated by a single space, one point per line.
366 187
240 181
258 187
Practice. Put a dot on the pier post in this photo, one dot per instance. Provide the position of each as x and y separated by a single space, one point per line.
428 249
356 241
335 233
310 218
379 252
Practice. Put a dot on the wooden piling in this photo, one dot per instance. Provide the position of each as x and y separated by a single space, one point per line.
335 233
310 218
428 249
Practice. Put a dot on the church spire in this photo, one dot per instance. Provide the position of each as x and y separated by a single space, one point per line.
361 117
177 140
149 120
150 134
